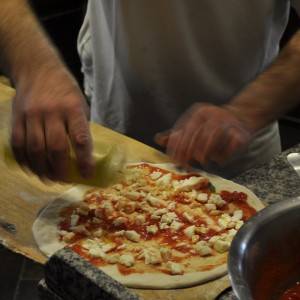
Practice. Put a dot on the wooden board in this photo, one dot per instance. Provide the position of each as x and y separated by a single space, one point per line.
22 196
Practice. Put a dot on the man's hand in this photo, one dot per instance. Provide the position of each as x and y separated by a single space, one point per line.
48 112
205 133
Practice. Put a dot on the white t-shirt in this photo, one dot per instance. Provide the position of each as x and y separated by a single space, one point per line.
146 62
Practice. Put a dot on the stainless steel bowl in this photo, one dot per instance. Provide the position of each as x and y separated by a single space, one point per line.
265 254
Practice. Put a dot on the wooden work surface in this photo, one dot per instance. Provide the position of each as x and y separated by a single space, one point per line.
23 196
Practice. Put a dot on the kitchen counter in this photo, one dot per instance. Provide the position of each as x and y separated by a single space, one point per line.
272 182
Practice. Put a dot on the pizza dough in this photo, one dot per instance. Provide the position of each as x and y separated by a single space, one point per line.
47 235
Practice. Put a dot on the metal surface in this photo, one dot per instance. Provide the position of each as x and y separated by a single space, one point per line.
294 160
264 257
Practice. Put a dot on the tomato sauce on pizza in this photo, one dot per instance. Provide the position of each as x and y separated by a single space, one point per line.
158 218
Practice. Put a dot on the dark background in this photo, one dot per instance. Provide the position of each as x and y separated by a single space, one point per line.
62 20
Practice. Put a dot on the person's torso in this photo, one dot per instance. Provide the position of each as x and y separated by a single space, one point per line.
146 62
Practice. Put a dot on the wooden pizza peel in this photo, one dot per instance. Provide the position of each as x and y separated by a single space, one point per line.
22 196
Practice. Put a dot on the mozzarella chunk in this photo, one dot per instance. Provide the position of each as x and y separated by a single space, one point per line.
203 248
74 220
232 232
168 218
192 194
210 206
239 224
165 180
67 237
83 209
152 256
231 224
159 212
175 225
145 207
217 200
202 229
237 215
112 259
213 239
175 268
108 247
215 212
133 174
93 206
152 229
119 233
221 246
189 231
133 195
188 217
155 175
96 220
129 207
119 221
98 232
80 229
202 197
63 232
224 220
155 202
182 244
171 206
195 238
89 244
132 235
97 252
118 187
163 226
108 207
188 184
127 260
140 220
121 247
166 253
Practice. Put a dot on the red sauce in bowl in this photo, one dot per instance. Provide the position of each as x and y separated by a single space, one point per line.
292 293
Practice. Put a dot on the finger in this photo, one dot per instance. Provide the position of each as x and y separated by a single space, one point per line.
17 140
186 144
58 149
35 145
238 140
78 129
173 142
231 141
209 144
162 138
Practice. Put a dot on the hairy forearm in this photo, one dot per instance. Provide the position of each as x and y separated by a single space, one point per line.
273 92
24 48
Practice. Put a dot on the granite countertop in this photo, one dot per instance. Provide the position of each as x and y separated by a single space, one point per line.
271 182
274 181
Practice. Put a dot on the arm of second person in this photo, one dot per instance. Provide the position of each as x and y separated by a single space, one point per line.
49 108
210 133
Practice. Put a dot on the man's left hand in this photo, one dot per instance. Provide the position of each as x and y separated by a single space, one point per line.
206 133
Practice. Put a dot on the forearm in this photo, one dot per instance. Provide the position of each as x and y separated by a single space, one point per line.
24 48
273 92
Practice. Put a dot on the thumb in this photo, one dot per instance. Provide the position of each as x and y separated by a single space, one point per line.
162 138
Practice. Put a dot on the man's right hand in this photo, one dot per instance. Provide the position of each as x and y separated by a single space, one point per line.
49 110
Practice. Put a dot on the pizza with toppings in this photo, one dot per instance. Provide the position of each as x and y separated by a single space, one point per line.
157 228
